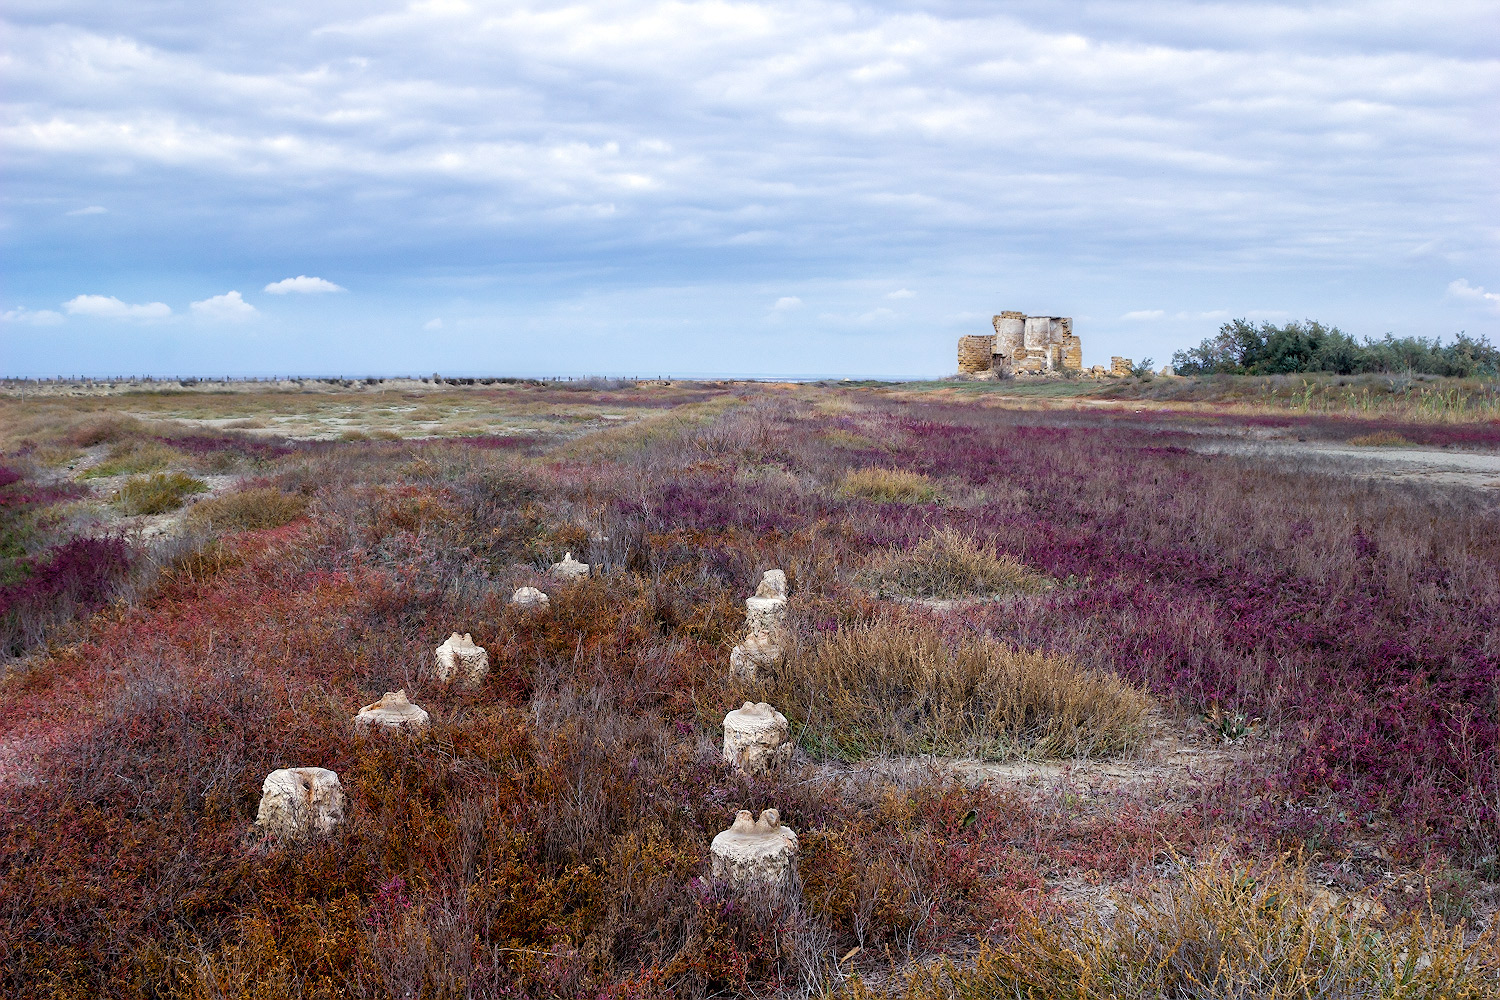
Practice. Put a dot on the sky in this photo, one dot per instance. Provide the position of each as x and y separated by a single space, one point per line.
795 188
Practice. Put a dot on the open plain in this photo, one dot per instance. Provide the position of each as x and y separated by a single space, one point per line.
1086 694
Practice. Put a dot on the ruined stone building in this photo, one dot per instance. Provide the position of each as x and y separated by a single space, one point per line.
1022 343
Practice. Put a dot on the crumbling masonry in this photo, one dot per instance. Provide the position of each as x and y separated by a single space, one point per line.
1022 343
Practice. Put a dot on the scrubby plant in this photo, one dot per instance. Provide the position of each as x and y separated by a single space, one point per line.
1222 930
885 485
249 510
1386 439
949 564
157 493
135 455
898 686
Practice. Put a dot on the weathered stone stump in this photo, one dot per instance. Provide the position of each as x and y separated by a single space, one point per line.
570 568
529 597
754 851
772 584
765 614
392 711
757 652
300 801
756 738
459 657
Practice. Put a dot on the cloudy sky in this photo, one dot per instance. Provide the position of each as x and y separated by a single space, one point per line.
802 187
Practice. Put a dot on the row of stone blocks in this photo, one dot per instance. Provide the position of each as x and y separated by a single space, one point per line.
757 738
299 801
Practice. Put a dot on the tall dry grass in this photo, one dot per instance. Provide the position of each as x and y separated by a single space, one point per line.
1225 932
949 563
896 686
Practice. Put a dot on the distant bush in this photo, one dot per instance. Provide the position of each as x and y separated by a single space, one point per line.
888 486
897 687
1242 348
950 564
106 430
158 493
1223 931
249 510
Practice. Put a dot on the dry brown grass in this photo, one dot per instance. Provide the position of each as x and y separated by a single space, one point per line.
1224 931
888 486
249 510
1385 439
897 687
950 564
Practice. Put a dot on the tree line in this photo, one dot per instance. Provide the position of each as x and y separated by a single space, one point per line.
1242 348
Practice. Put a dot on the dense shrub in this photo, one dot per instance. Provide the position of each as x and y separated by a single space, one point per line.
75 576
157 493
1241 348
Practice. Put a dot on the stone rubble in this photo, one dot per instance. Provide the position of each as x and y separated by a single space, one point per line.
460 658
529 597
392 711
754 851
570 568
756 738
299 801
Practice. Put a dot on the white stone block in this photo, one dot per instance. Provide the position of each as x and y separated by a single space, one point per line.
529 597
392 711
758 652
754 851
300 801
756 738
459 657
570 568
772 584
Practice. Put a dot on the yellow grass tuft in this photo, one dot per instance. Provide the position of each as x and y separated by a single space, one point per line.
1378 439
888 486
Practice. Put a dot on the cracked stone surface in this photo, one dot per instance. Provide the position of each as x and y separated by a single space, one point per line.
300 801
754 851
756 738
460 658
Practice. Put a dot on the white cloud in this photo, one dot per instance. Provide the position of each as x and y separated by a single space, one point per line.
903 293
436 323
302 284
109 307
1461 289
35 317
787 302
227 308
1142 314
90 210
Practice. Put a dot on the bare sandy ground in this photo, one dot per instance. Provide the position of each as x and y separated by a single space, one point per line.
1436 466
